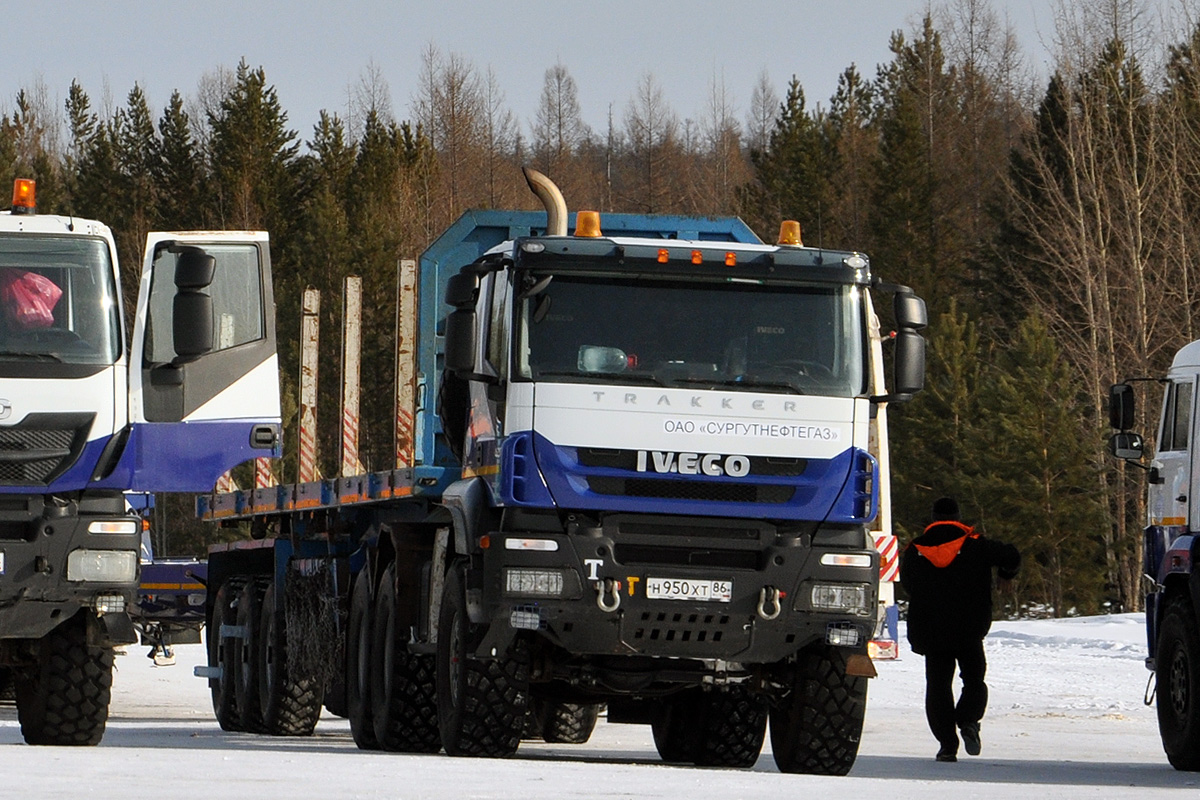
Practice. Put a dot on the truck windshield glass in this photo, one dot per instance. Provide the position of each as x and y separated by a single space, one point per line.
796 339
57 300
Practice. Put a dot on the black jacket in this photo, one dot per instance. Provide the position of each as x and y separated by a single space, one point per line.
947 572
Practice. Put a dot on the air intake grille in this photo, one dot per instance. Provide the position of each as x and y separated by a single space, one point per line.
41 447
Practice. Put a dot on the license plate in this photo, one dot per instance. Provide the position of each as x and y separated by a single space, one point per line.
688 589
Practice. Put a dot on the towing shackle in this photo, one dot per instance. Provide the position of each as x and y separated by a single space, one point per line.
608 588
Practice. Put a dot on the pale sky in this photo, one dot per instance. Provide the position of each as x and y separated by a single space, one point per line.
314 53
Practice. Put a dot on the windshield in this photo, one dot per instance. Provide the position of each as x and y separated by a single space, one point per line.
57 300
795 339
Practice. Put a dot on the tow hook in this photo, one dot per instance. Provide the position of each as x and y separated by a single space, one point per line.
608 588
768 602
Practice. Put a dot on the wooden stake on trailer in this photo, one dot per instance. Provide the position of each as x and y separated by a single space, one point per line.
309 348
351 373
406 361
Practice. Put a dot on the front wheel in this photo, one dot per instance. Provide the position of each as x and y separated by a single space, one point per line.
482 703
1177 682
63 699
816 726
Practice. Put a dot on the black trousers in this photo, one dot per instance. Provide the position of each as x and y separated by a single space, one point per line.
944 715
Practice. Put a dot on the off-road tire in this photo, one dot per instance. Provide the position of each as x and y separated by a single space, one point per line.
221 653
1177 685
482 703
358 665
564 723
674 726
246 666
817 724
722 727
403 694
288 706
63 699
733 724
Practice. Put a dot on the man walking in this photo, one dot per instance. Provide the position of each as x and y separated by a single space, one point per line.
947 572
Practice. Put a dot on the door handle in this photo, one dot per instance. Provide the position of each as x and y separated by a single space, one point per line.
1181 499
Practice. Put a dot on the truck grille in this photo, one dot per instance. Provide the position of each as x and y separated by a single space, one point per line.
41 447
710 491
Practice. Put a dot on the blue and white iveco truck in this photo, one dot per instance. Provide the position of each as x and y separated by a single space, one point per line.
646 484
86 413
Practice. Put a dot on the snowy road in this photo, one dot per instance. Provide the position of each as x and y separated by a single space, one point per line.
1066 719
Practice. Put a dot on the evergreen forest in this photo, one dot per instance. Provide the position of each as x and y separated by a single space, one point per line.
1048 215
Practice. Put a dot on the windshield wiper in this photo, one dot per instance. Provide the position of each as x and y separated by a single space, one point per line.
607 377
743 383
29 355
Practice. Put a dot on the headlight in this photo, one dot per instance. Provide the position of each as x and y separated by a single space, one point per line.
125 526
845 597
535 582
109 566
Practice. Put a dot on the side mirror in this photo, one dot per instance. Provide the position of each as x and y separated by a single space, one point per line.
461 290
910 310
194 268
1126 445
460 340
192 324
909 364
1121 407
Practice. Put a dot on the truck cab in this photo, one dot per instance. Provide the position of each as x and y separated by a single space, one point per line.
86 415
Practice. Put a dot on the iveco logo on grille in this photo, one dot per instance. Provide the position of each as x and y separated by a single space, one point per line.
5 409
693 463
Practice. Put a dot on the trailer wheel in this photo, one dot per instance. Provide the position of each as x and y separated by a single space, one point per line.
1177 681
358 665
402 683
246 666
817 724
482 703
221 655
63 699
287 706
567 723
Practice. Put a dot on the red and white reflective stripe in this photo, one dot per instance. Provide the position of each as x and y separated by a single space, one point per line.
350 463
225 484
309 342
263 476
889 556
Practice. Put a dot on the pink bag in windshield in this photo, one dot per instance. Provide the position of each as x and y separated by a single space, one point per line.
28 299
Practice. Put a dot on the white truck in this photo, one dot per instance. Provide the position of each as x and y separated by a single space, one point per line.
88 413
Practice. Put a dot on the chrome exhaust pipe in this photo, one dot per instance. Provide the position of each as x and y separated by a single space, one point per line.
552 199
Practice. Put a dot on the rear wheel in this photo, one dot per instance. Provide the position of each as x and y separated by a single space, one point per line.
564 723
245 656
817 724
288 706
402 694
221 655
482 703
358 665
1177 681
63 699
722 727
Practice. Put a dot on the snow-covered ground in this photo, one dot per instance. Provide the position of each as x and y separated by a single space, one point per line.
1066 719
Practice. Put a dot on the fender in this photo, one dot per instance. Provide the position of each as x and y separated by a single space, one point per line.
467 502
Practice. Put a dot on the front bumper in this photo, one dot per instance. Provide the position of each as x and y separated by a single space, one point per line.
587 592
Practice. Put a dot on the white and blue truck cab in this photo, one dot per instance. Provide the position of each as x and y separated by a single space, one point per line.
88 413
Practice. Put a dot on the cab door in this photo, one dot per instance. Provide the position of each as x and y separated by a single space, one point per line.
1171 489
204 375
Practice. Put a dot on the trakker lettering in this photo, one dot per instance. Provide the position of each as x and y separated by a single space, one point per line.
693 463
698 401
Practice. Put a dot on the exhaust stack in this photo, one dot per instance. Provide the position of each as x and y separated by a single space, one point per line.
552 199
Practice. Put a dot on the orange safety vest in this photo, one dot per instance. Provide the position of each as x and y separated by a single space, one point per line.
940 555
